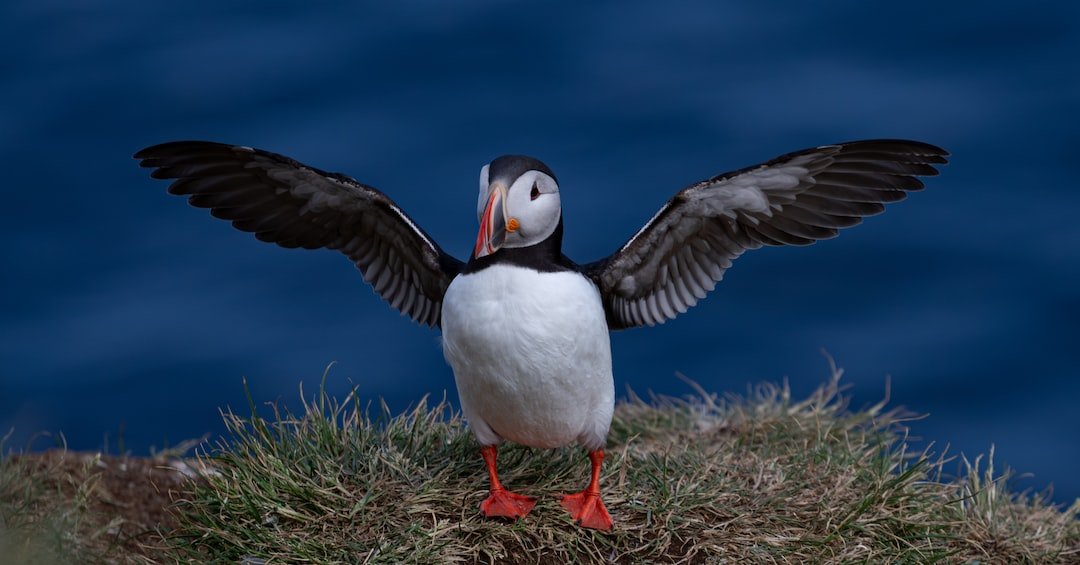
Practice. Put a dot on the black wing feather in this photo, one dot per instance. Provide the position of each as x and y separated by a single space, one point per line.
285 202
795 199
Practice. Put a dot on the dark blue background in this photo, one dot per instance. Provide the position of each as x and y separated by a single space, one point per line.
124 309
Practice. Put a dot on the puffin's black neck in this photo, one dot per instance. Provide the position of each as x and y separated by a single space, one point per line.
545 256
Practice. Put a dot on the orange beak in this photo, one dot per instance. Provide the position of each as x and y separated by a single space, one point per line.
492 223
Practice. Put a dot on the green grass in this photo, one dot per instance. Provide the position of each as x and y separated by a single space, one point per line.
761 478
708 479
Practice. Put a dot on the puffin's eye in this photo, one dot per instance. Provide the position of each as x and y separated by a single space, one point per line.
535 192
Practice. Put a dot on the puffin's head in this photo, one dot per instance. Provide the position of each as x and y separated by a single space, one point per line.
518 206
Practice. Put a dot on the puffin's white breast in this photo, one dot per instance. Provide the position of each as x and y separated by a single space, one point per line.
531 356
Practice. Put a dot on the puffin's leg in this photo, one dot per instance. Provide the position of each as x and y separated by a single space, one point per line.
501 502
585 507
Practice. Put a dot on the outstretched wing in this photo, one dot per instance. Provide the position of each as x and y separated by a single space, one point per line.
796 199
293 205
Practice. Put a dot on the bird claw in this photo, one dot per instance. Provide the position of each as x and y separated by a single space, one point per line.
505 504
587 510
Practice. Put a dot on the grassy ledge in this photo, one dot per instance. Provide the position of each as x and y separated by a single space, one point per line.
760 478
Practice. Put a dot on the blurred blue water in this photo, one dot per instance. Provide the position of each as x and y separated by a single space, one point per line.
126 312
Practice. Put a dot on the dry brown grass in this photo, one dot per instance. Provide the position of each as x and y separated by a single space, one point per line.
61 506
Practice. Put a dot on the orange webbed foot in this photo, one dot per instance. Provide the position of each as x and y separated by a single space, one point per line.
587 510
505 504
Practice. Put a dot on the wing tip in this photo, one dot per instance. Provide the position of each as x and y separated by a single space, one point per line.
169 149
931 152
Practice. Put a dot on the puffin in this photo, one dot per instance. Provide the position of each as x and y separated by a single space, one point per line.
525 329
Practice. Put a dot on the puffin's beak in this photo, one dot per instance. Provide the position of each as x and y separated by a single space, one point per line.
492 222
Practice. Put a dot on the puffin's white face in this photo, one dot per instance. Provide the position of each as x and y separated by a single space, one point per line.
519 215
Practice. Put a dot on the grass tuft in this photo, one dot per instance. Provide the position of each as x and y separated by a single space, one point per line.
760 478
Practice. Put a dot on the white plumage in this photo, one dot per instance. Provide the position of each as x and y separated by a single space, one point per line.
531 356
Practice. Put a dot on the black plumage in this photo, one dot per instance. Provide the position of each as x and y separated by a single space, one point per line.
285 202
795 199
